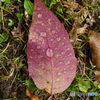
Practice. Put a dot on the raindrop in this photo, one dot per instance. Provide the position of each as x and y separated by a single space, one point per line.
61 85
33 36
51 39
64 69
63 53
31 29
56 48
33 40
42 67
62 43
49 19
65 72
53 32
60 62
30 56
68 62
31 49
70 54
38 47
35 83
68 48
59 73
38 8
42 42
43 34
49 52
66 41
58 39
39 15
58 79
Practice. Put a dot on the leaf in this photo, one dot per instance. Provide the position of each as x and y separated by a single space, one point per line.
95 48
84 85
10 22
6 1
51 58
28 5
19 16
0 17
33 97
4 37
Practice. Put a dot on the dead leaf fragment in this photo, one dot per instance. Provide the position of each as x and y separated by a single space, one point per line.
82 29
95 48
29 94
17 33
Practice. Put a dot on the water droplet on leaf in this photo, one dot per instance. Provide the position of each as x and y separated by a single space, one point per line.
49 52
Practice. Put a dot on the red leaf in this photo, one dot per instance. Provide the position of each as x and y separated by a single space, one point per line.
51 59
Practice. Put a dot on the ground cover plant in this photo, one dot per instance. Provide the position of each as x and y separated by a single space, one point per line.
81 19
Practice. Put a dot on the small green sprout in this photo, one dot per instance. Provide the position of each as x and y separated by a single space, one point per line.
19 16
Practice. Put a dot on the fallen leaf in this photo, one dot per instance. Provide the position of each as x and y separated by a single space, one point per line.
17 33
29 94
95 48
90 20
82 29
51 58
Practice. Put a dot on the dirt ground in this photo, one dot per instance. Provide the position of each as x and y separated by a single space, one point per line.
16 58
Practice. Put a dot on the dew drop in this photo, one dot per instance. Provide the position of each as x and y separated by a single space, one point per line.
30 56
59 73
42 42
43 34
38 47
51 40
38 8
65 72
63 79
62 43
33 36
60 62
31 49
31 29
49 19
39 15
56 48
61 85
58 39
64 69
70 54
42 67
49 52
53 32
68 48
63 53
68 62
57 79
33 40
35 83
